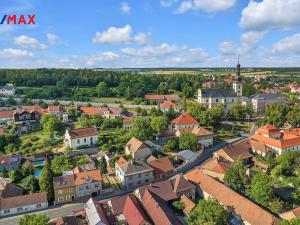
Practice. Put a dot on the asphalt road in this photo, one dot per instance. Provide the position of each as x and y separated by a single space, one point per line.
68 209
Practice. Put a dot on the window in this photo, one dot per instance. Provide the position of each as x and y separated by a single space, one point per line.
86 187
146 180
68 197
80 188
217 100
139 175
60 199
97 185
38 206
20 209
6 211
78 141
147 174
84 140
139 182
130 184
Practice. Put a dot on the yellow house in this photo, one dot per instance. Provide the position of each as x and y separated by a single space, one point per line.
64 189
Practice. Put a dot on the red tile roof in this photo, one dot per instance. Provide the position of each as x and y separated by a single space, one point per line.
168 104
87 176
184 119
127 121
7 114
243 207
216 165
133 211
135 144
268 130
189 205
121 160
158 210
83 132
161 165
155 97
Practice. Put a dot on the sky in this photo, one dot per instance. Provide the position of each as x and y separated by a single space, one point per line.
151 33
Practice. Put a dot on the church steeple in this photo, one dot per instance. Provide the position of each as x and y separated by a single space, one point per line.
238 71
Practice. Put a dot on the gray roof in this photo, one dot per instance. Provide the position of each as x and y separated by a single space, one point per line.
186 155
134 167
267 96
218 93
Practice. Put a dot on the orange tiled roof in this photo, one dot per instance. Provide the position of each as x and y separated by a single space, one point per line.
217 165
83 132
189 205
161 165
121 160
135 144
243 207
83 177
168 104
185 119
268 130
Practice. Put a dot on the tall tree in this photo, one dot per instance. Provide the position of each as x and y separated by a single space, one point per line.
159 124
208 212
46 180
188 141
235 177
103 165
261 188
141 128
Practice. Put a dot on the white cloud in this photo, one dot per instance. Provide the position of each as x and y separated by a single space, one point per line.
271 14
167 3
228 48
102 58
28 42
52 38
289 44
141 38
15 53
209 6
125 8
114 35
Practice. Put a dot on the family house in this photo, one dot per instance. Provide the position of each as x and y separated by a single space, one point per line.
137 149
185 120
10 162
167 106
134 173
162 167
81 137
8 91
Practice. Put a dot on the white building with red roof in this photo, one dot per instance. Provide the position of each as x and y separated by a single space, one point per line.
77 138
185 120
269 138
167 106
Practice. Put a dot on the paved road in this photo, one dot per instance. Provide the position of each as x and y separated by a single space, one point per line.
67 209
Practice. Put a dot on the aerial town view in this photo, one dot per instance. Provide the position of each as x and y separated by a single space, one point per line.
150 112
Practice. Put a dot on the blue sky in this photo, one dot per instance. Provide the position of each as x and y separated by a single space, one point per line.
151 33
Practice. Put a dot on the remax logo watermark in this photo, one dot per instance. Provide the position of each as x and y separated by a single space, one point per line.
18 19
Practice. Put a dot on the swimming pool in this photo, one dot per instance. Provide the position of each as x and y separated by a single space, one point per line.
39 163
37 172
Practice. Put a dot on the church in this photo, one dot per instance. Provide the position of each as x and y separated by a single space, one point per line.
227 97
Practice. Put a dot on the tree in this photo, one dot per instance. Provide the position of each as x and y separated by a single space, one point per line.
27 169
30 184
97 120
51 123
172 145
294 221
159 124
141 128
208 212
235 177
261 188
237 112
46 180
11 101
15 176
83 121
34 219
103 165
102 90
188 141
293 116
60 163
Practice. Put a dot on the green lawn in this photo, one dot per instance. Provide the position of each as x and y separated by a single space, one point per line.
112 100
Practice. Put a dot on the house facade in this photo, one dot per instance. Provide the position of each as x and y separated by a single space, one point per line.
134 173
64 189
184 121
260 101
88 183
81 137
137 149
167 106
8 91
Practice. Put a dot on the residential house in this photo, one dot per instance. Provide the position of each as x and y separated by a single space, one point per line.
134 212
216 167
241 208
205 137
235 152
26 120
270 139
185 120
188 204
158 210
260 101
77 184
157 99
127 123
6 116
64 189
81 137
167 106
88 183
186 156
137 149
56 110
169 190
97 213
134 173
8 91
162 167
10 162
106 113
23 203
